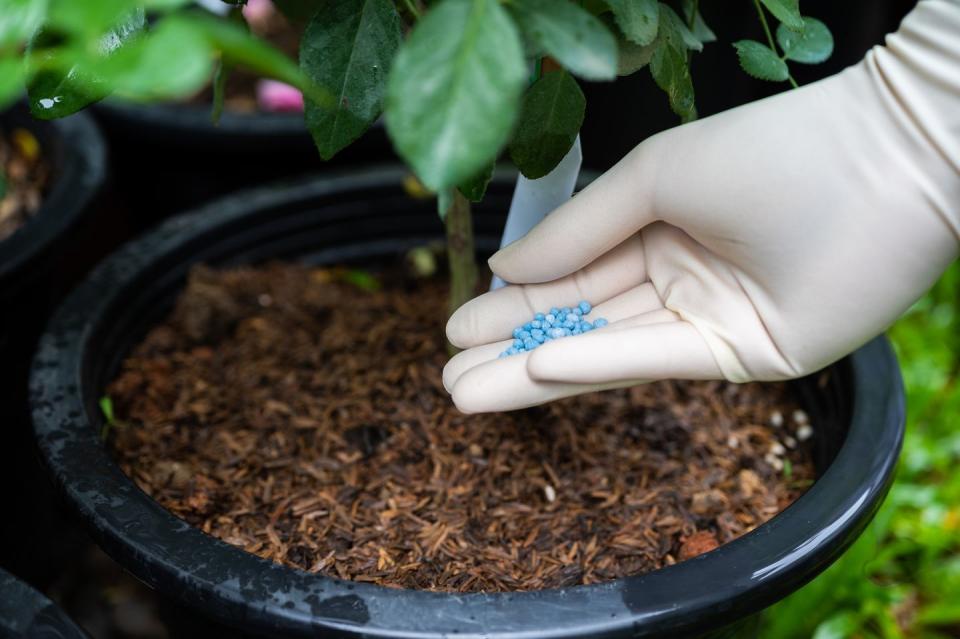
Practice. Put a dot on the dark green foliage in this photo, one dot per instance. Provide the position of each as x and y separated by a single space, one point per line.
550 118
760 61
453 93
810 45
348 48
571 35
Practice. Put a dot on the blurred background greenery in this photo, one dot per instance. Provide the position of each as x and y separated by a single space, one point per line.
902 577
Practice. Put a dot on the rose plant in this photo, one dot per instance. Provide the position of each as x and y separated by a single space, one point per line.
457 81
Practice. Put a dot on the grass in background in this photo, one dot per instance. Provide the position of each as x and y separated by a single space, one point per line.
901 579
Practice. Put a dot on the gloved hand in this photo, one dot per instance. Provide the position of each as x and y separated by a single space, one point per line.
759 244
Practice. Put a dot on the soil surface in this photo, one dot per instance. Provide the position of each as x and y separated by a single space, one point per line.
299 415
23 179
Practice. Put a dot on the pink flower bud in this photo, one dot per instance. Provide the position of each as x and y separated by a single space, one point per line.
273 96
257 11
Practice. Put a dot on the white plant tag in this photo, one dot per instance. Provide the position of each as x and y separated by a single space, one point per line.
534 199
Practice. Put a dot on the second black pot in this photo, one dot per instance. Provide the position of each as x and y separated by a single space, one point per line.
857 407
169 157
38 264
27 614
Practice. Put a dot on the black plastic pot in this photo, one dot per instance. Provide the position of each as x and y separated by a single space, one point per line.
175 153
77 155
38 263
857 407
27 614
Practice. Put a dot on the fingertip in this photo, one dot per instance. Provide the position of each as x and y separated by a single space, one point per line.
451 372
467 399
477 322
501 264
462 362
457 334
543 361
460 406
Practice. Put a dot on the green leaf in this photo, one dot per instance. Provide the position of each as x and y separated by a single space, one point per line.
222 70
550 118
57 88
444 202
810 45
347 48
669 65
760 61
940 614
11 82
633 57
19 20
454 90
677 30
476 187
221 73
298 10
86 20
106 407
172 61
786 11
163 5
672 74
572 36
840 626
701 31
65 79
595 7
637 19
364 280
241 48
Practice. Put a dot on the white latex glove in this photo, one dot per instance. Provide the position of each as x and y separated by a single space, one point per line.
759 244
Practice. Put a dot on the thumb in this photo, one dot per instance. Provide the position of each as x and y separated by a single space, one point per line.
612 208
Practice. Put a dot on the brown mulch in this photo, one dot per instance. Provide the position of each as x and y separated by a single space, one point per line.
294 415
23 179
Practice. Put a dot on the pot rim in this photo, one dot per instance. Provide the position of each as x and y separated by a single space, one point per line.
79 171
733 581
26 612
193 118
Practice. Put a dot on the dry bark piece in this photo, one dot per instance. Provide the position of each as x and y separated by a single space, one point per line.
314 431
696 544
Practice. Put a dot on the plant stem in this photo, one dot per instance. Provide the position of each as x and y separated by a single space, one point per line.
690 22
460 252
693 14
412 9
770 41
766 27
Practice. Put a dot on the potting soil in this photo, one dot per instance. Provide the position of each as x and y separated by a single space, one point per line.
299 417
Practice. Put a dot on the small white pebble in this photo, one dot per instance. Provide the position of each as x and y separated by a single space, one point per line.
549 493
800 417
264 300
775 462
776 448
733 442
790 442
776 419
805 432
